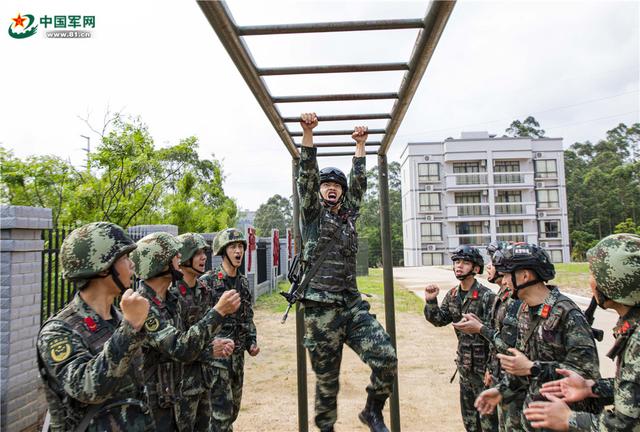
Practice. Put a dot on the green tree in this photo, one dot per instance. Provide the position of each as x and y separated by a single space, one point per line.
275 213
627 226
368 224
527 128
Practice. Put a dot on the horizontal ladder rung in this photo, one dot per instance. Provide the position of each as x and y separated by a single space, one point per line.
325 69
338 132
334 97
343 117
395 24
342 144
371 152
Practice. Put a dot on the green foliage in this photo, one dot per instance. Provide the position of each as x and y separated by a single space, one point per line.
275 213
627 226
129 182
527 128
603 187
368 224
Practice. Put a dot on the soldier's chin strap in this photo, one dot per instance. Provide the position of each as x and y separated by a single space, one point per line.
226 255
330 204
601 298
116 279
176 275
189 264
517 287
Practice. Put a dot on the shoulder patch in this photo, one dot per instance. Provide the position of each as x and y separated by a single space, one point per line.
152 324
60 348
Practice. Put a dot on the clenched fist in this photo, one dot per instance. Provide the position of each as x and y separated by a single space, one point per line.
135 308
229 303
431 292
308 121
222 347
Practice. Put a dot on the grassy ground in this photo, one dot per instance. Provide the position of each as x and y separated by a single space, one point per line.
405 300
573 278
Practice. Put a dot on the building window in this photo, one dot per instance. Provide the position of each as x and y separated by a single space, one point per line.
429 259
429 202
506 196
428 172
508 229
430 232
469 167
546 168
470 198
549 229
548 198
506 167
555 255
472 233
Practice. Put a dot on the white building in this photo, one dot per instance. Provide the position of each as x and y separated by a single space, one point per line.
478 189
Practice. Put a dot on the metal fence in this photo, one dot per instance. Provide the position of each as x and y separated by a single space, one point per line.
56 291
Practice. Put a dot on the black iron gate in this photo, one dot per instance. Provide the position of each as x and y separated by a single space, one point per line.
56 291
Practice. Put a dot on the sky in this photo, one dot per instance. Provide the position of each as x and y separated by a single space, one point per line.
574 66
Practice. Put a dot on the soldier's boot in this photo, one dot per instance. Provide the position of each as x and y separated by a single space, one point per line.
327 429
371 415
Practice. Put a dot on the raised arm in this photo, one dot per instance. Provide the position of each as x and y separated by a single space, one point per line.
309 174
358 174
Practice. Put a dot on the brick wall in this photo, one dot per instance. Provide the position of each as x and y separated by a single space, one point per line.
22 400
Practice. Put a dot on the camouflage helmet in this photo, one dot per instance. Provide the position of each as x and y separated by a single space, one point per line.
154 254
225 238
92 249
191 243
615 265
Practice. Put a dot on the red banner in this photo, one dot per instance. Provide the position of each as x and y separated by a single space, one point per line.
276 248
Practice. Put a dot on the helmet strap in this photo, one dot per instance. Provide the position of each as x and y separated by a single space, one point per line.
189 264
116 279
601 298
517 287
226 255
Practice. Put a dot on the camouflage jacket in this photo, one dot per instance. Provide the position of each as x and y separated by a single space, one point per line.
238 326
558 336
323 229
86 361
623 390
473 349
502 331
195 302
169 343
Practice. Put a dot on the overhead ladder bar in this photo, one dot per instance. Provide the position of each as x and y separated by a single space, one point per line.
327 27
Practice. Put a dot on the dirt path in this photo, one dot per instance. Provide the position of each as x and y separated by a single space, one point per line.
427 400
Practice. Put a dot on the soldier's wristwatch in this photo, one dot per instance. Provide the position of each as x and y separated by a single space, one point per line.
535 369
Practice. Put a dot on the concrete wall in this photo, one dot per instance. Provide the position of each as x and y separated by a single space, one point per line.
22 401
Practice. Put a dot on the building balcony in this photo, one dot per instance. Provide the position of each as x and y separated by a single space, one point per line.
513 178
467 210
466 179
478 240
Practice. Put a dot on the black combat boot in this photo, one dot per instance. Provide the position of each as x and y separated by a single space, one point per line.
371 415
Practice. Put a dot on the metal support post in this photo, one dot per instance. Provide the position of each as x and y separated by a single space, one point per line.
301 355
387 276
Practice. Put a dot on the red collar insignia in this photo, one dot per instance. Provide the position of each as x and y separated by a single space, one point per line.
220 275
545 311
474 295
91 324
183 290
624 328
157 301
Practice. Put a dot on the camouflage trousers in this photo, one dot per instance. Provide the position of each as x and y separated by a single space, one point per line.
510 414
193 413
328 328
226 394
164 417
471 386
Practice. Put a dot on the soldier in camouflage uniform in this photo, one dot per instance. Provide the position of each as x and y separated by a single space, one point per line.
469 297
168 342
558 335
228 373
507 315
614 264
89 353
193 407
334 312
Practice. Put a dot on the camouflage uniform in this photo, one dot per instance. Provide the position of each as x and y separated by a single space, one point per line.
90 366
228 373
334 312
193 407
615 264
507 314
168 343
473 350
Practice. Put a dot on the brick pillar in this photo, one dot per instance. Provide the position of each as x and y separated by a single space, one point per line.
22 401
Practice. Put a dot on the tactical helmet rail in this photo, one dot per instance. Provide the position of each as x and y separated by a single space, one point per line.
525 256
191 244
225 238
92 249
154 254
468 253
615 265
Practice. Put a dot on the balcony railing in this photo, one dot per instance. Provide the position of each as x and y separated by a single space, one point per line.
512 237
508 178
471 179
473 239
472 209
510 209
